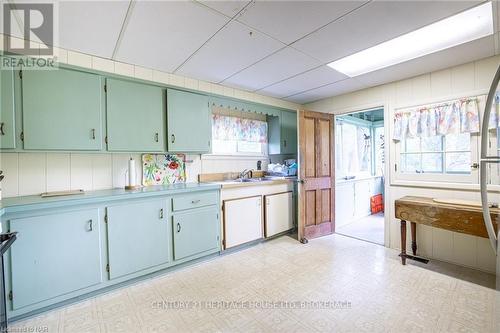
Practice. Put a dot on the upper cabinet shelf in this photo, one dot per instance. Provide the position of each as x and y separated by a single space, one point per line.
62 110
188 122
67 109
135 115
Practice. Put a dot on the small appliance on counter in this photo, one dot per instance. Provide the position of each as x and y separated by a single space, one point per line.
288 169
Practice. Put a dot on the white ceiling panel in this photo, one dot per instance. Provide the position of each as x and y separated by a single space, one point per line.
278 66
333 89
290 20
234 48
163 34
374 23
302 82
91 27
478 49
229 8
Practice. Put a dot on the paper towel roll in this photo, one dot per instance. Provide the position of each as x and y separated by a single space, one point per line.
131 172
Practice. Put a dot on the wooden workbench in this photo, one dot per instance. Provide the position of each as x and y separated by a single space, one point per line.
453 217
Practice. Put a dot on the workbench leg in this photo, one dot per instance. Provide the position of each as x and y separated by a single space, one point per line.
414 238
403 242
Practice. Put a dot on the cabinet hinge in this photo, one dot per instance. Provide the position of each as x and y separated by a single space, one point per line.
106 139
106 218
395 167
22 136
21 74
105 88
107 268
11 296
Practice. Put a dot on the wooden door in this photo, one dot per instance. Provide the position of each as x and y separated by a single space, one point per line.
135 116
316 167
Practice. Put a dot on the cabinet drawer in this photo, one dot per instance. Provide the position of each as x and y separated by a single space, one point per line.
194 200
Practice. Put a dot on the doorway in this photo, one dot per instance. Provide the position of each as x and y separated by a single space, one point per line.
359 175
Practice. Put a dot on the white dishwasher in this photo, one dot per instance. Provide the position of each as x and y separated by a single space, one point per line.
278 213
242 220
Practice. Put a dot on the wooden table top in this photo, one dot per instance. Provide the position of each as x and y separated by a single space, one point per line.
453 217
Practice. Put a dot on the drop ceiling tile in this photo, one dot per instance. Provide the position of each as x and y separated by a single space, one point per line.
333 89
234 48
163 34
314 78
468 52
374 23
290 20
91 27
278 66
229 8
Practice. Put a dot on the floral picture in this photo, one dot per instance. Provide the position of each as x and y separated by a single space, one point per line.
163 169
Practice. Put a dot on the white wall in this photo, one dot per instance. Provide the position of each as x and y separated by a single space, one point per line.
464 80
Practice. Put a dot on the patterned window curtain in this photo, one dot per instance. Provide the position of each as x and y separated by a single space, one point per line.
460 116
228 128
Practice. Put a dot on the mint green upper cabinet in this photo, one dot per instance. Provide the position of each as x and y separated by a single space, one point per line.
138 236
62 110
7 122
188 121
282 133
195 232
54 255
289 132
135 116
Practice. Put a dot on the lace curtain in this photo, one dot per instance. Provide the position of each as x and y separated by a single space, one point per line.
227 128
460 116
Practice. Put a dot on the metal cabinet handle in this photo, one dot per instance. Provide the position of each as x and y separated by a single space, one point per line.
178 227
195 201
284 143
156 137
161 213
474 166
93 134
173 138
1 128
90 225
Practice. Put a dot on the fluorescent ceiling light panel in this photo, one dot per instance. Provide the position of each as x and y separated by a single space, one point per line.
467 26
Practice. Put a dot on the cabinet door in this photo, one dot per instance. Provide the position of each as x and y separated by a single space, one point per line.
278 213
188 121
54 255
135 116
62 110
138 236
289 132
195 232
7 121
242 221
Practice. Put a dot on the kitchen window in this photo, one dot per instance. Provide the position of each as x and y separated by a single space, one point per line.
238 133
438 143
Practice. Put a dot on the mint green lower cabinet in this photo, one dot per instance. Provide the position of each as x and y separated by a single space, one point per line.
195 232
188 122
54 255
135 116
62 110
7 110
138 236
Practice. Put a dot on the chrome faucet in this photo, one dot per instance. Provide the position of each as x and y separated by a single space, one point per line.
245 173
